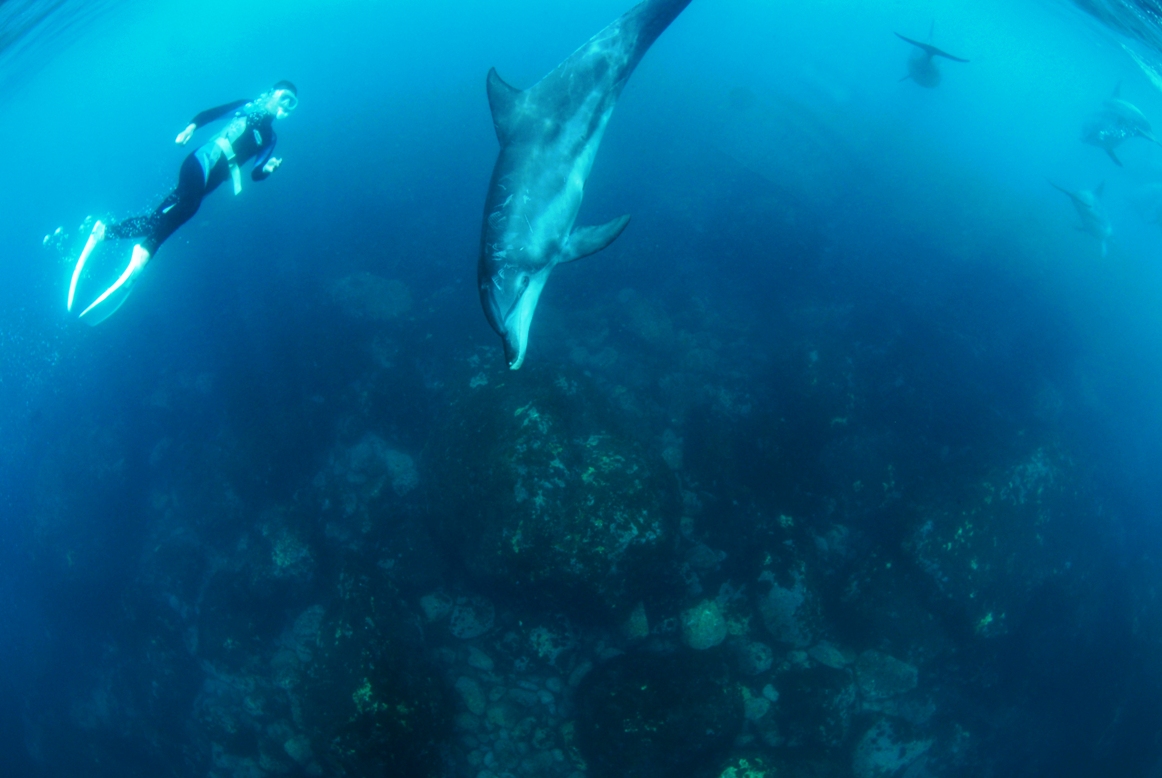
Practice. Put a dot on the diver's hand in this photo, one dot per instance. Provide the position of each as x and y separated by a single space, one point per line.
184 136
272 165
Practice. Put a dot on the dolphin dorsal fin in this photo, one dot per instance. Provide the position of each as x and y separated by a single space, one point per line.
503 99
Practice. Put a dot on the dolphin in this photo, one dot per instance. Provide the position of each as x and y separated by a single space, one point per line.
1117 121
549 135
1093 215
921 65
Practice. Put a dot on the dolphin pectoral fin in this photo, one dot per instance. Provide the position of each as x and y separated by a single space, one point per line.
503 100
931 50
1114 157
589 240
925 46
905 78
946 55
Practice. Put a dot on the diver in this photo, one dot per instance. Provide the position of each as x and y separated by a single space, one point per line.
249 133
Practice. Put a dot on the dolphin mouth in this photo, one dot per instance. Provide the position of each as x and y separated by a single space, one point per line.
520 319
514 353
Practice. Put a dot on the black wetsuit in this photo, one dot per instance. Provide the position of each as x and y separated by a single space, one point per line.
195 182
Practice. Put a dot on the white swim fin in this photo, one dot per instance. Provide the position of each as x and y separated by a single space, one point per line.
116 295
95 237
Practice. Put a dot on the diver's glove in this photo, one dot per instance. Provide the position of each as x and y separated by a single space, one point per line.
184 136
272 165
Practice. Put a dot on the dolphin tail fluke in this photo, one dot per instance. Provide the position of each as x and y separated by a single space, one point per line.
655 16
1114 157
503 99
589 240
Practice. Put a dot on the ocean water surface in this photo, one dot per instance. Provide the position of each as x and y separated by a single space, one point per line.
842 460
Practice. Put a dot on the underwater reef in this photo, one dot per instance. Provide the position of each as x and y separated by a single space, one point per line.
701 560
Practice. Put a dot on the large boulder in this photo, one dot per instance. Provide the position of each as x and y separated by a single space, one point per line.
648 715
542 489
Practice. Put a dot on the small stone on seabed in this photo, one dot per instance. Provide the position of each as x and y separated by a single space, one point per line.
479 660
470 692
703 626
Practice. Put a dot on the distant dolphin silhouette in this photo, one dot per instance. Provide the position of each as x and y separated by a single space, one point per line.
921 65
1117 121
549 135
1093 216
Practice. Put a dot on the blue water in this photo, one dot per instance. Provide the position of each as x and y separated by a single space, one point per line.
857 304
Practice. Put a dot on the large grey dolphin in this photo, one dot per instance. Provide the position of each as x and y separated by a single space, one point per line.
1117 121
922 65
1093 215
549 135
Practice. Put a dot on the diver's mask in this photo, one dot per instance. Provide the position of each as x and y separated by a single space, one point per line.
281 102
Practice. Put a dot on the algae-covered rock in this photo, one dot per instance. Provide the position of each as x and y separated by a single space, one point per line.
703 626
992 544
645 715
541 488
816 706
882 753
370 704
881 676
784 612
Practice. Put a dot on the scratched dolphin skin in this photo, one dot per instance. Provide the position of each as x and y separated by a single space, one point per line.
549 135
1117 121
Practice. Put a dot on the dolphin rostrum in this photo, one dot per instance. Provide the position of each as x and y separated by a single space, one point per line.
921 66
1093 215
549 135
1118 120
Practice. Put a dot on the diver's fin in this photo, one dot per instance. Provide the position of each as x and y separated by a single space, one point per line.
931 50
1114 157
116 295
95 237
584 241
502 99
